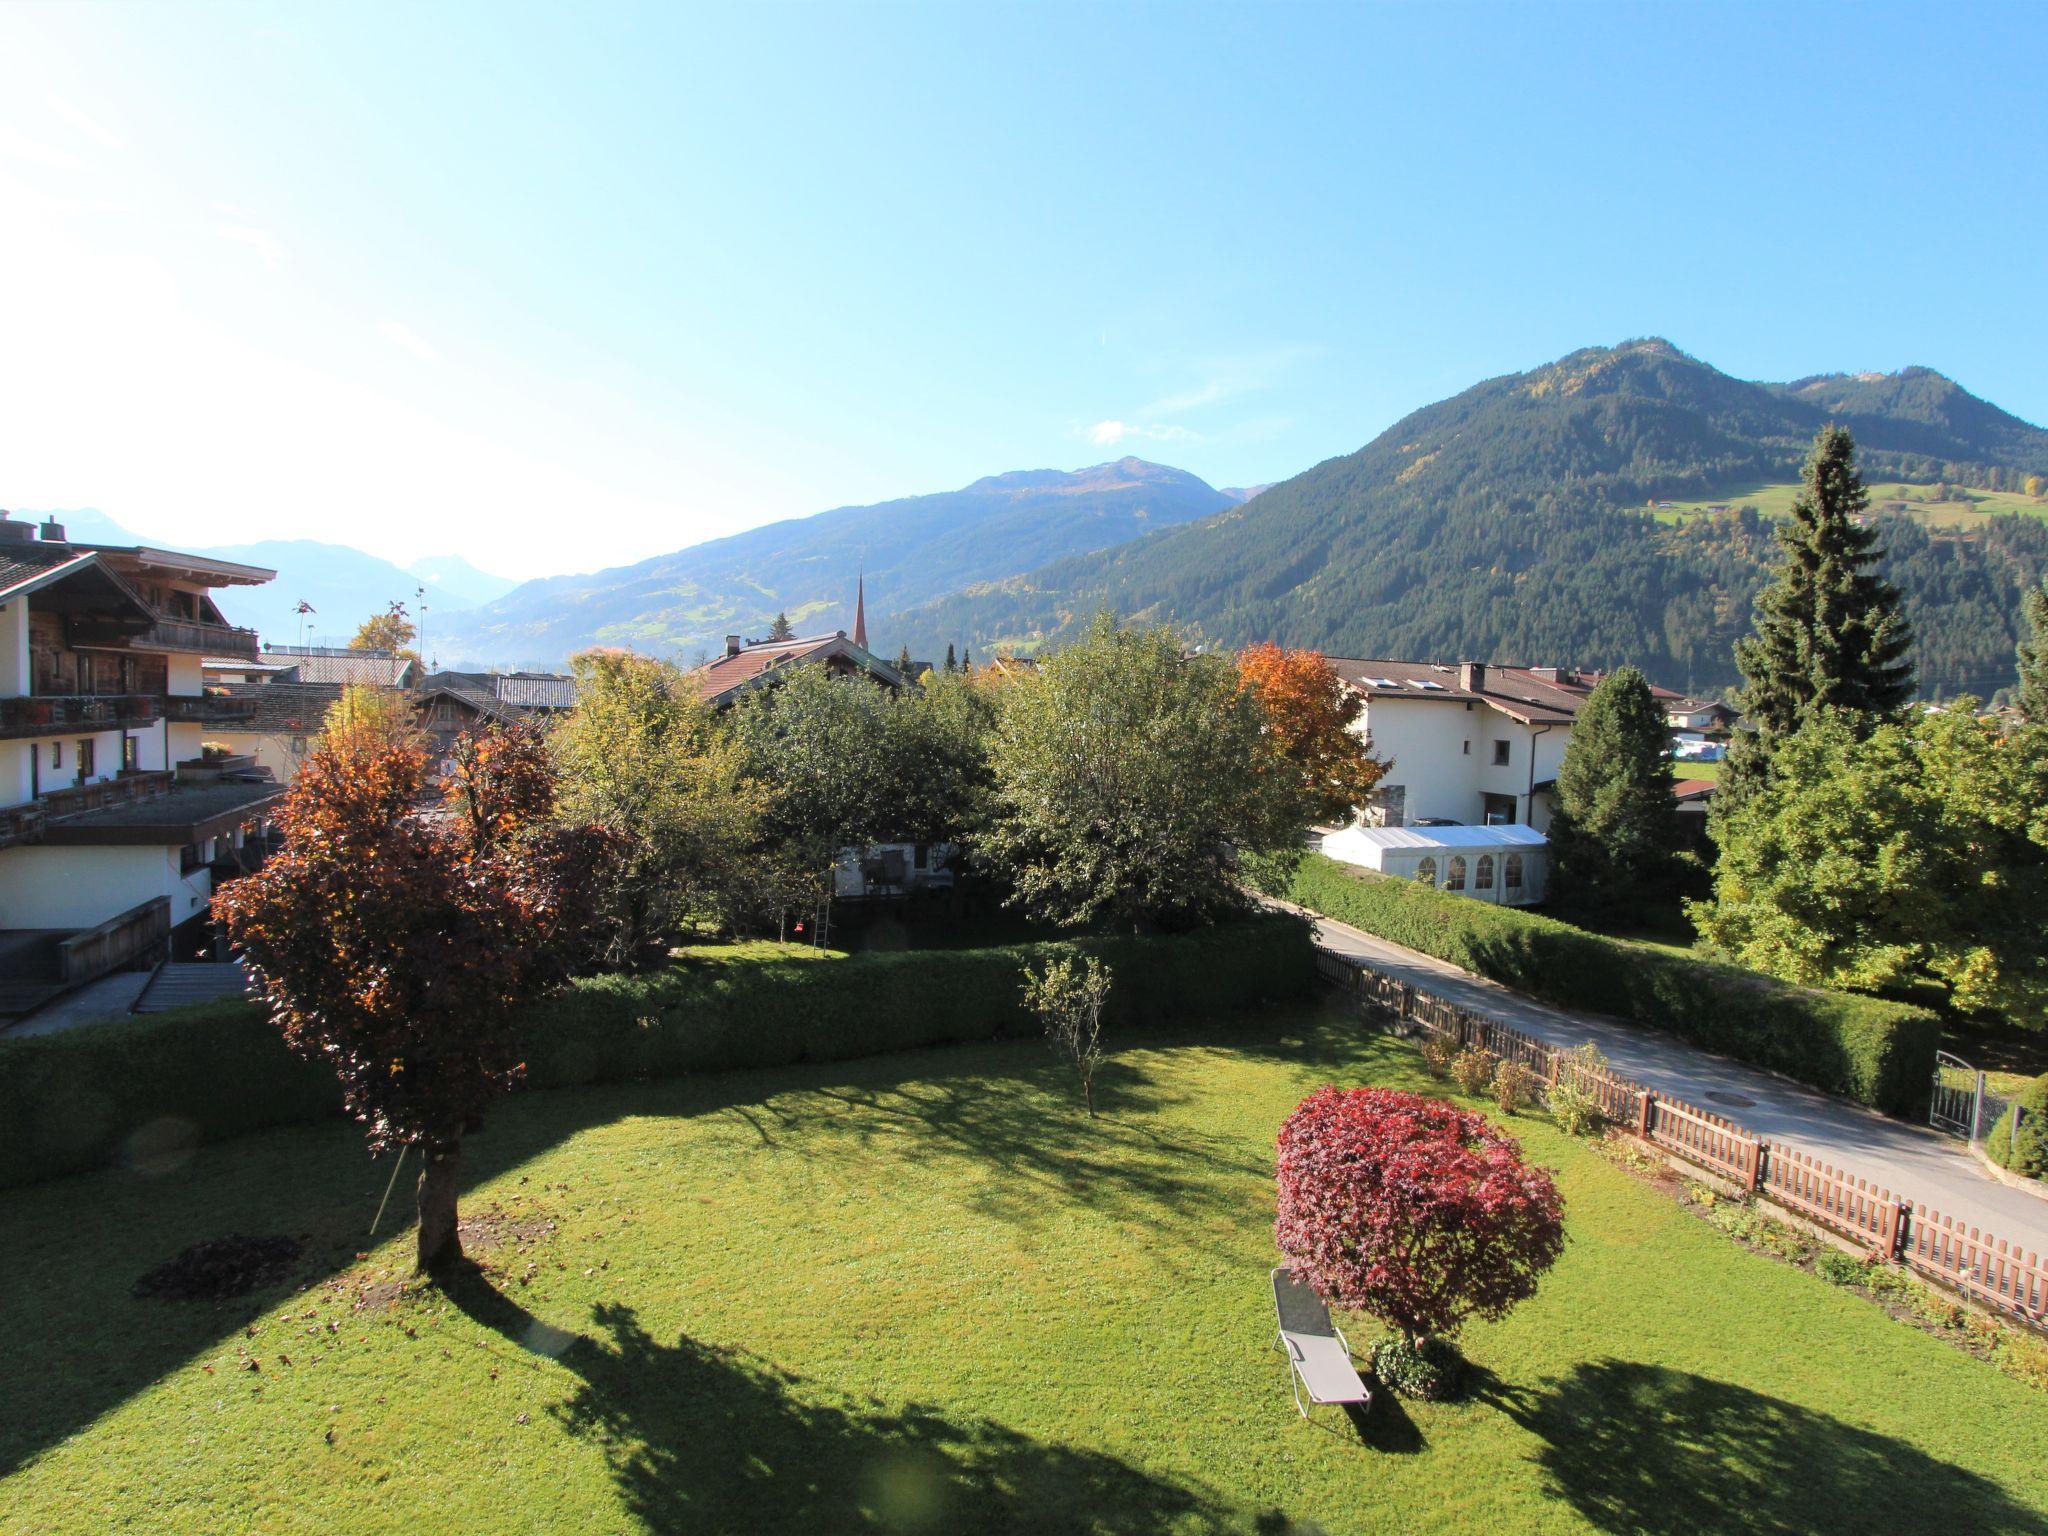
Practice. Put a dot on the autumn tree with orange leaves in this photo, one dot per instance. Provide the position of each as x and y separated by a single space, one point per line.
398 939
1310 713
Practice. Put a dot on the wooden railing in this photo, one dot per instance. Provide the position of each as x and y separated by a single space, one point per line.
210 709
44 714
114 943
1972 1263
59 803
194 635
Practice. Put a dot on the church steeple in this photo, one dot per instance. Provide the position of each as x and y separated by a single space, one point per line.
860 611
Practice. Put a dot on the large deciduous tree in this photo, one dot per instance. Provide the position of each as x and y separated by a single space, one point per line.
1130 778
1917 852
642 755
1311 713
1830 632
392 630
398 942
1412 1210
1615 834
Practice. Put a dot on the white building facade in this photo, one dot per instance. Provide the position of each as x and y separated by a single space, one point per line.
112 826
1469 744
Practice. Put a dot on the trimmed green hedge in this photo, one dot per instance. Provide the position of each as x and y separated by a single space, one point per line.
1877 1052
2027 1152
151 1087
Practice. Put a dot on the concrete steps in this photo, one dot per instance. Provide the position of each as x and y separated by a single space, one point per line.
183 983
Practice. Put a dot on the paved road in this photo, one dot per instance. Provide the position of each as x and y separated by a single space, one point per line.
1915 1163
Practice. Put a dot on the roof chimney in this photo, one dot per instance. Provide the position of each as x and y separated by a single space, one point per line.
53 531
1472 676
12 532
732 645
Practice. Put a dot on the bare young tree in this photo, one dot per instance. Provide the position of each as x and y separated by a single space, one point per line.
1068 996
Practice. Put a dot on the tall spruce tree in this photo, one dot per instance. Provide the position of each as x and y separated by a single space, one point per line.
2033 699
952 661
1830 634
1615 835
903 662
781 629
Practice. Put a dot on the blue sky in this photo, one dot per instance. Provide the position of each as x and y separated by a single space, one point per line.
559 286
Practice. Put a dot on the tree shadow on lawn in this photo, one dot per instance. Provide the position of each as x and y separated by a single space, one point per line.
711 1441
1029 1129
77 1332
1642 1448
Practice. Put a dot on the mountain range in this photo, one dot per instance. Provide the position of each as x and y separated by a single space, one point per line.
909 551
1609 507
1518 522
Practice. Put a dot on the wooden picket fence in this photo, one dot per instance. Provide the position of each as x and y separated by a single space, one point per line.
1974 1263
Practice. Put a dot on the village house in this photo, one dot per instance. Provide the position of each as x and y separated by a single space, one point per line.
1471 744
114 825
452 704
285 694
752 664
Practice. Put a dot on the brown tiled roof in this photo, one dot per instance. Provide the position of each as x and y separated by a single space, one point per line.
724 677
1520 692
1692 789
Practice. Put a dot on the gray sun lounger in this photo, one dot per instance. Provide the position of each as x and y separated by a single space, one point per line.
1318 1355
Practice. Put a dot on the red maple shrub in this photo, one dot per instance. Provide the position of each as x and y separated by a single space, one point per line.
396 939
1412 1210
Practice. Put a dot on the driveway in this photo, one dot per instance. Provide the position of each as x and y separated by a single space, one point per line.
1916 1164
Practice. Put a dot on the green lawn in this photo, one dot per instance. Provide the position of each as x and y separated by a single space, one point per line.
1961 510
926 1293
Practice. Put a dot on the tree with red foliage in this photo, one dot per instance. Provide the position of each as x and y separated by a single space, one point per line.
398 940
1411 1209
1310 713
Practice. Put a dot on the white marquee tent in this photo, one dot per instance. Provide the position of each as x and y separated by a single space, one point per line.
1507 864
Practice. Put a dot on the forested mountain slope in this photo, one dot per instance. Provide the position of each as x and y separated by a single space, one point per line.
911 549
1509 523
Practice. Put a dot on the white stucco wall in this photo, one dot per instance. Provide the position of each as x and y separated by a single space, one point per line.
14 662
45 887
270 749
1443 756
186 676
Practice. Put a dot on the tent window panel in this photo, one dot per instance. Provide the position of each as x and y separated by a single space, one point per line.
1455 881
1425 872
1482 877
1511 872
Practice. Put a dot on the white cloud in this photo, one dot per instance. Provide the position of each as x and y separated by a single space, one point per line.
86 124
259 240
1107 434
407 339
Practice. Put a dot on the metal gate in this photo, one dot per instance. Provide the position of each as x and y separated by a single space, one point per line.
1958 1096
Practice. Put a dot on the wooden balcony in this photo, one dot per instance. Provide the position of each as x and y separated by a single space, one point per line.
126 790
212 709
190 635
53 715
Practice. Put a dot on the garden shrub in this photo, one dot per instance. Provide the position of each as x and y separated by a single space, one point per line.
1473 1069
2027 1152
1877 1052
1839 1268
1431 1370
154 1085
1577 1109
1438 1052
1514 1086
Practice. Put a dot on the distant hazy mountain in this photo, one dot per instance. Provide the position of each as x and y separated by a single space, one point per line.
1509 523
1244 493
344 585
912 550
455 576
